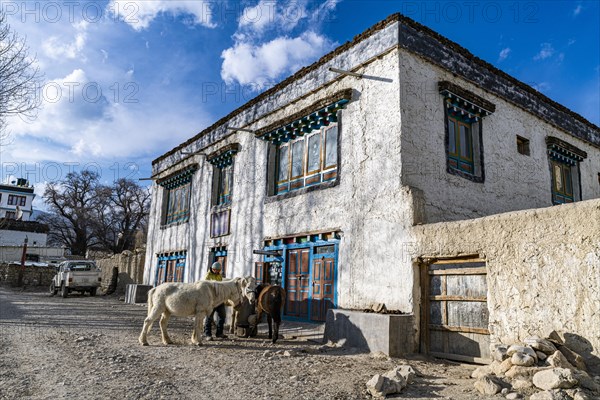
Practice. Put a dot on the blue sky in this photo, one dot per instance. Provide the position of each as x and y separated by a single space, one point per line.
127 81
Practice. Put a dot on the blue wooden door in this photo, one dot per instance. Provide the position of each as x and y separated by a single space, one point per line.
322 288
297 283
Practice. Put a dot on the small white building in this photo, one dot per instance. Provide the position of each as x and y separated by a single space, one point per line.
323 185
16 200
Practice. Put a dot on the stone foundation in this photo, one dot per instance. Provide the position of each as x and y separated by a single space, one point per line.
32 276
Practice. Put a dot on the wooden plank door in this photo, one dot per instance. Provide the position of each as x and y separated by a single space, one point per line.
297 283
260 272
323 288
456 312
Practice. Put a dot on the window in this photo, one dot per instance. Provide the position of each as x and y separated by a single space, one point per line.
523 145
178 204
170 267
564 162
222 188
14 200
224 177
464 112
177 194
562 182
10 215
308 160
304 147
460 145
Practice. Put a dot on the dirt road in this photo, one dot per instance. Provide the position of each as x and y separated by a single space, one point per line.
86 347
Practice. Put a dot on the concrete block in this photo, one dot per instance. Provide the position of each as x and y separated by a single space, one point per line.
135 293
392 334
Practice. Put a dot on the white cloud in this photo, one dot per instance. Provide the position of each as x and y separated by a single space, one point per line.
577 10
57 47
546 52
140 14
265 49
246 63
503 54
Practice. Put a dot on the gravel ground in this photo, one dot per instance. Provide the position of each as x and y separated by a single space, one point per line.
86 347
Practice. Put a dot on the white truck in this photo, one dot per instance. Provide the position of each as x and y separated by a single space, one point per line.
76 276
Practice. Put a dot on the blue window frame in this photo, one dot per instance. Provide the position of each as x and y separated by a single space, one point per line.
177 195
170 267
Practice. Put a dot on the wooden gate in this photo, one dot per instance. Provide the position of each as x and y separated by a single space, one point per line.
455 314
322 288
297 283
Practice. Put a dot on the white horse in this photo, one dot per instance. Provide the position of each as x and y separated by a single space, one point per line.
193 299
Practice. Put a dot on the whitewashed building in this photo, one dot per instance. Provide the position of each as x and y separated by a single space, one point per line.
319 183
16 200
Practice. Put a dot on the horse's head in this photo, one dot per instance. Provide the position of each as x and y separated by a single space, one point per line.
248 288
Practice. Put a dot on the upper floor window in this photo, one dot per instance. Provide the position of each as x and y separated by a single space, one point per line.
564 162
222 182
14 200
222 189
464 112
305 146
177 194
308 160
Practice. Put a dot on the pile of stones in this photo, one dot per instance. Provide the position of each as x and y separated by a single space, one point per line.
392 382
540 369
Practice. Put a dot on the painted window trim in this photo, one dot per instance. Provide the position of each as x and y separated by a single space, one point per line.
568 158
470 109
170 183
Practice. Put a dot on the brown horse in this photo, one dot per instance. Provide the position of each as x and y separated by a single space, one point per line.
271 299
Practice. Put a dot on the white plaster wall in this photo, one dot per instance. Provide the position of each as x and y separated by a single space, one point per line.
16 238
543 270
512 181
369 206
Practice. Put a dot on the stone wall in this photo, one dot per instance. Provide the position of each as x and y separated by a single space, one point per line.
130 265
32 276
543 270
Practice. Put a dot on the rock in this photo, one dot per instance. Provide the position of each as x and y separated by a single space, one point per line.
379 386
555 378
379 355
521 384
80 339
482 371
407 372
550 395
500 369
499 352
522 359
541 356
578 394
526 373
505 391
515 348
486 385
586 381
558 360
555 337
542 345
574 358
513 396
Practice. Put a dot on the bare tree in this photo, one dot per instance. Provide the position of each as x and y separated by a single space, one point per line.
73 203
85 214
123 215
19 76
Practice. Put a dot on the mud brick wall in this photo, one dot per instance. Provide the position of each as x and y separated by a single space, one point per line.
32 276
130 265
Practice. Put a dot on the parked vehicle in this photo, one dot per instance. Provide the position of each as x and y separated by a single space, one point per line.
76 276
